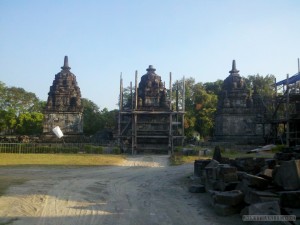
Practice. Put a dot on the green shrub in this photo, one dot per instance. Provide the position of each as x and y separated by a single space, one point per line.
98 149
177 148
278 148
116 150
91 149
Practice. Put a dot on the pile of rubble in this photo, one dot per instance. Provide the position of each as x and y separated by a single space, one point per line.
250 186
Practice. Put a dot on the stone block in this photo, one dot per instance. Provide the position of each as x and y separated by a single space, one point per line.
197 188
220 185
211 173
245 164
240 175
199 166
227 173
290 199
292 211
217 154
225 160
281 156
254 196
213 163
267 174
249 164
271 163
225 210
287 175
256 181
265 208
209 185
231 198
211 170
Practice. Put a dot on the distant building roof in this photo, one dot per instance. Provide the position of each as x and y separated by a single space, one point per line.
291 80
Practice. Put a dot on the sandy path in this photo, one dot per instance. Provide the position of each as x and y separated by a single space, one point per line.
142 191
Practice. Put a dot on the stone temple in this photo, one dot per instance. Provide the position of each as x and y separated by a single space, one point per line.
148 123
63 106
240 114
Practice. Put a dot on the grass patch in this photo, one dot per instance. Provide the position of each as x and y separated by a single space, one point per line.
59 160
178 159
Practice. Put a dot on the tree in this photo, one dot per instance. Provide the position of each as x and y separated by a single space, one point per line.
30 123
109 119
127 98
264 85
19 101
205 107
13 103
213 87
91 117
200 106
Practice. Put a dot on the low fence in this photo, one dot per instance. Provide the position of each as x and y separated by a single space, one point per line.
52 148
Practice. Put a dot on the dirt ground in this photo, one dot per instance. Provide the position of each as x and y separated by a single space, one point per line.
144 190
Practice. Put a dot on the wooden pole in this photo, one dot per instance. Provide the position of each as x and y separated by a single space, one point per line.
131 95
134 118
136 90
183 108
183 95
177 90
171 119
287 112
120 109
170 88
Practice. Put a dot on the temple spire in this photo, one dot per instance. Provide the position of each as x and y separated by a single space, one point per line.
66 64
234 71
151 68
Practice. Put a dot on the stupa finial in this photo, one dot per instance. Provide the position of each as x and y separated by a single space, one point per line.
234 70
66 64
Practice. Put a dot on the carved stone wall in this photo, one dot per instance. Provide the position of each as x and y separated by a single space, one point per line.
151 91
240 115
63 106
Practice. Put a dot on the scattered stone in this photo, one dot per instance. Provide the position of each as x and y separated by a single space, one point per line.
290 199
292 211
197 188
203 152
225 160
211 170
244 186
249 164
265 208
271 163
220 185
287 175
256 181
267 174
213 163
254 196
189 151
284 156
225 210
227 173
240 175
231 198
199 166
245 164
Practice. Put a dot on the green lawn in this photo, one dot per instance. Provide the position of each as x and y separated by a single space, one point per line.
178 159
60 159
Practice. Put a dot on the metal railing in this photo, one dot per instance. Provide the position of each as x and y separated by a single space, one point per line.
47 148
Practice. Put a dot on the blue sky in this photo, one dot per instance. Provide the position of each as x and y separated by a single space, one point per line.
102 38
